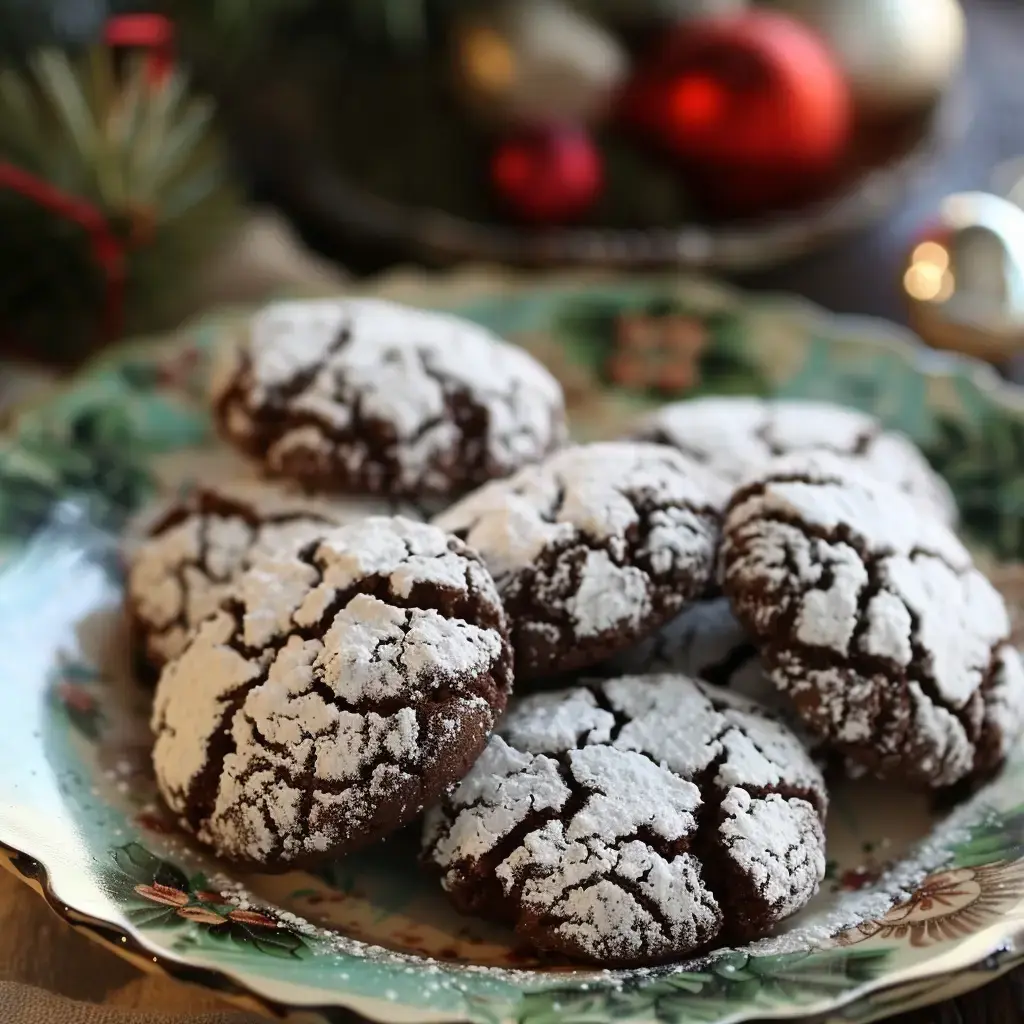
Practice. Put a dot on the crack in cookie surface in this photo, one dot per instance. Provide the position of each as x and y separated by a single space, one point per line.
873 619
737 437
181 573
634 821
343 687
369 396
594 548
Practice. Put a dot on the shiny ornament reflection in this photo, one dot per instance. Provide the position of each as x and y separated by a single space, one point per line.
896 54
535 62
964 278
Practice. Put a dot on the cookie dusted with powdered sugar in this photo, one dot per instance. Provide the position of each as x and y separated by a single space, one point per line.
634 822
179 574
594 548
340 690
371 397
873 618
738 437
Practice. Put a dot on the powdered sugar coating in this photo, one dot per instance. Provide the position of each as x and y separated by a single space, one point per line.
738 436
379 397
343 686
872 617
669 817
181 573
593 548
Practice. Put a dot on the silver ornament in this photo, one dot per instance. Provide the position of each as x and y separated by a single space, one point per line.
896 54
964 278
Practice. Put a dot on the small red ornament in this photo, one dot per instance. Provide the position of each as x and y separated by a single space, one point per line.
549 175
150 32
755 97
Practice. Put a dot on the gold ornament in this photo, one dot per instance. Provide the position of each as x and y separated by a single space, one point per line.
964 279
535 61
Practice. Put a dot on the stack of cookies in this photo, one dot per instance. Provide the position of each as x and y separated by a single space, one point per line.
693 619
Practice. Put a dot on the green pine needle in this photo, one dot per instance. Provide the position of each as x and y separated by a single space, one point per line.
146 155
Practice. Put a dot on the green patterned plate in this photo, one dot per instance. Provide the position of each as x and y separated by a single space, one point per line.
918 904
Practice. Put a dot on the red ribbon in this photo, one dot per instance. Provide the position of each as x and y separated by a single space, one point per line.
152 32
143 31
107 249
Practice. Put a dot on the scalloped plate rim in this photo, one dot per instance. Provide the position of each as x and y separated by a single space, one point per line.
133 948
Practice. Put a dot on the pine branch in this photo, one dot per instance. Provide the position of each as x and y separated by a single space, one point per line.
144 155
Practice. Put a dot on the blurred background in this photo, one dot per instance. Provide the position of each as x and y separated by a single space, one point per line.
859 152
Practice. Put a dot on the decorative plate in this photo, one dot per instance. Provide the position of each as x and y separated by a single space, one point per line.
919 902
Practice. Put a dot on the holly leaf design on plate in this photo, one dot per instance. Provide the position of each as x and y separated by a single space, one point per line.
268 939
158 894
726 366
985 468
585 328
723 983
154 917
998 837
90 455
137 866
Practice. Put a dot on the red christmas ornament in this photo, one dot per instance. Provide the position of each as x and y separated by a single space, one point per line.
548 176
754 98
107 247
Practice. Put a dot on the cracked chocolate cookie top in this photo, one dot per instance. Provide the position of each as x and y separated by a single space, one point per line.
345 687
594 548
737 437
634 822
873 618
371 397
179 575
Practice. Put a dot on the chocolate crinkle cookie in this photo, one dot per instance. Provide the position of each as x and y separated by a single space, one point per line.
179 574
738 436
366 396
341 689
594 548
636 821
873 618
